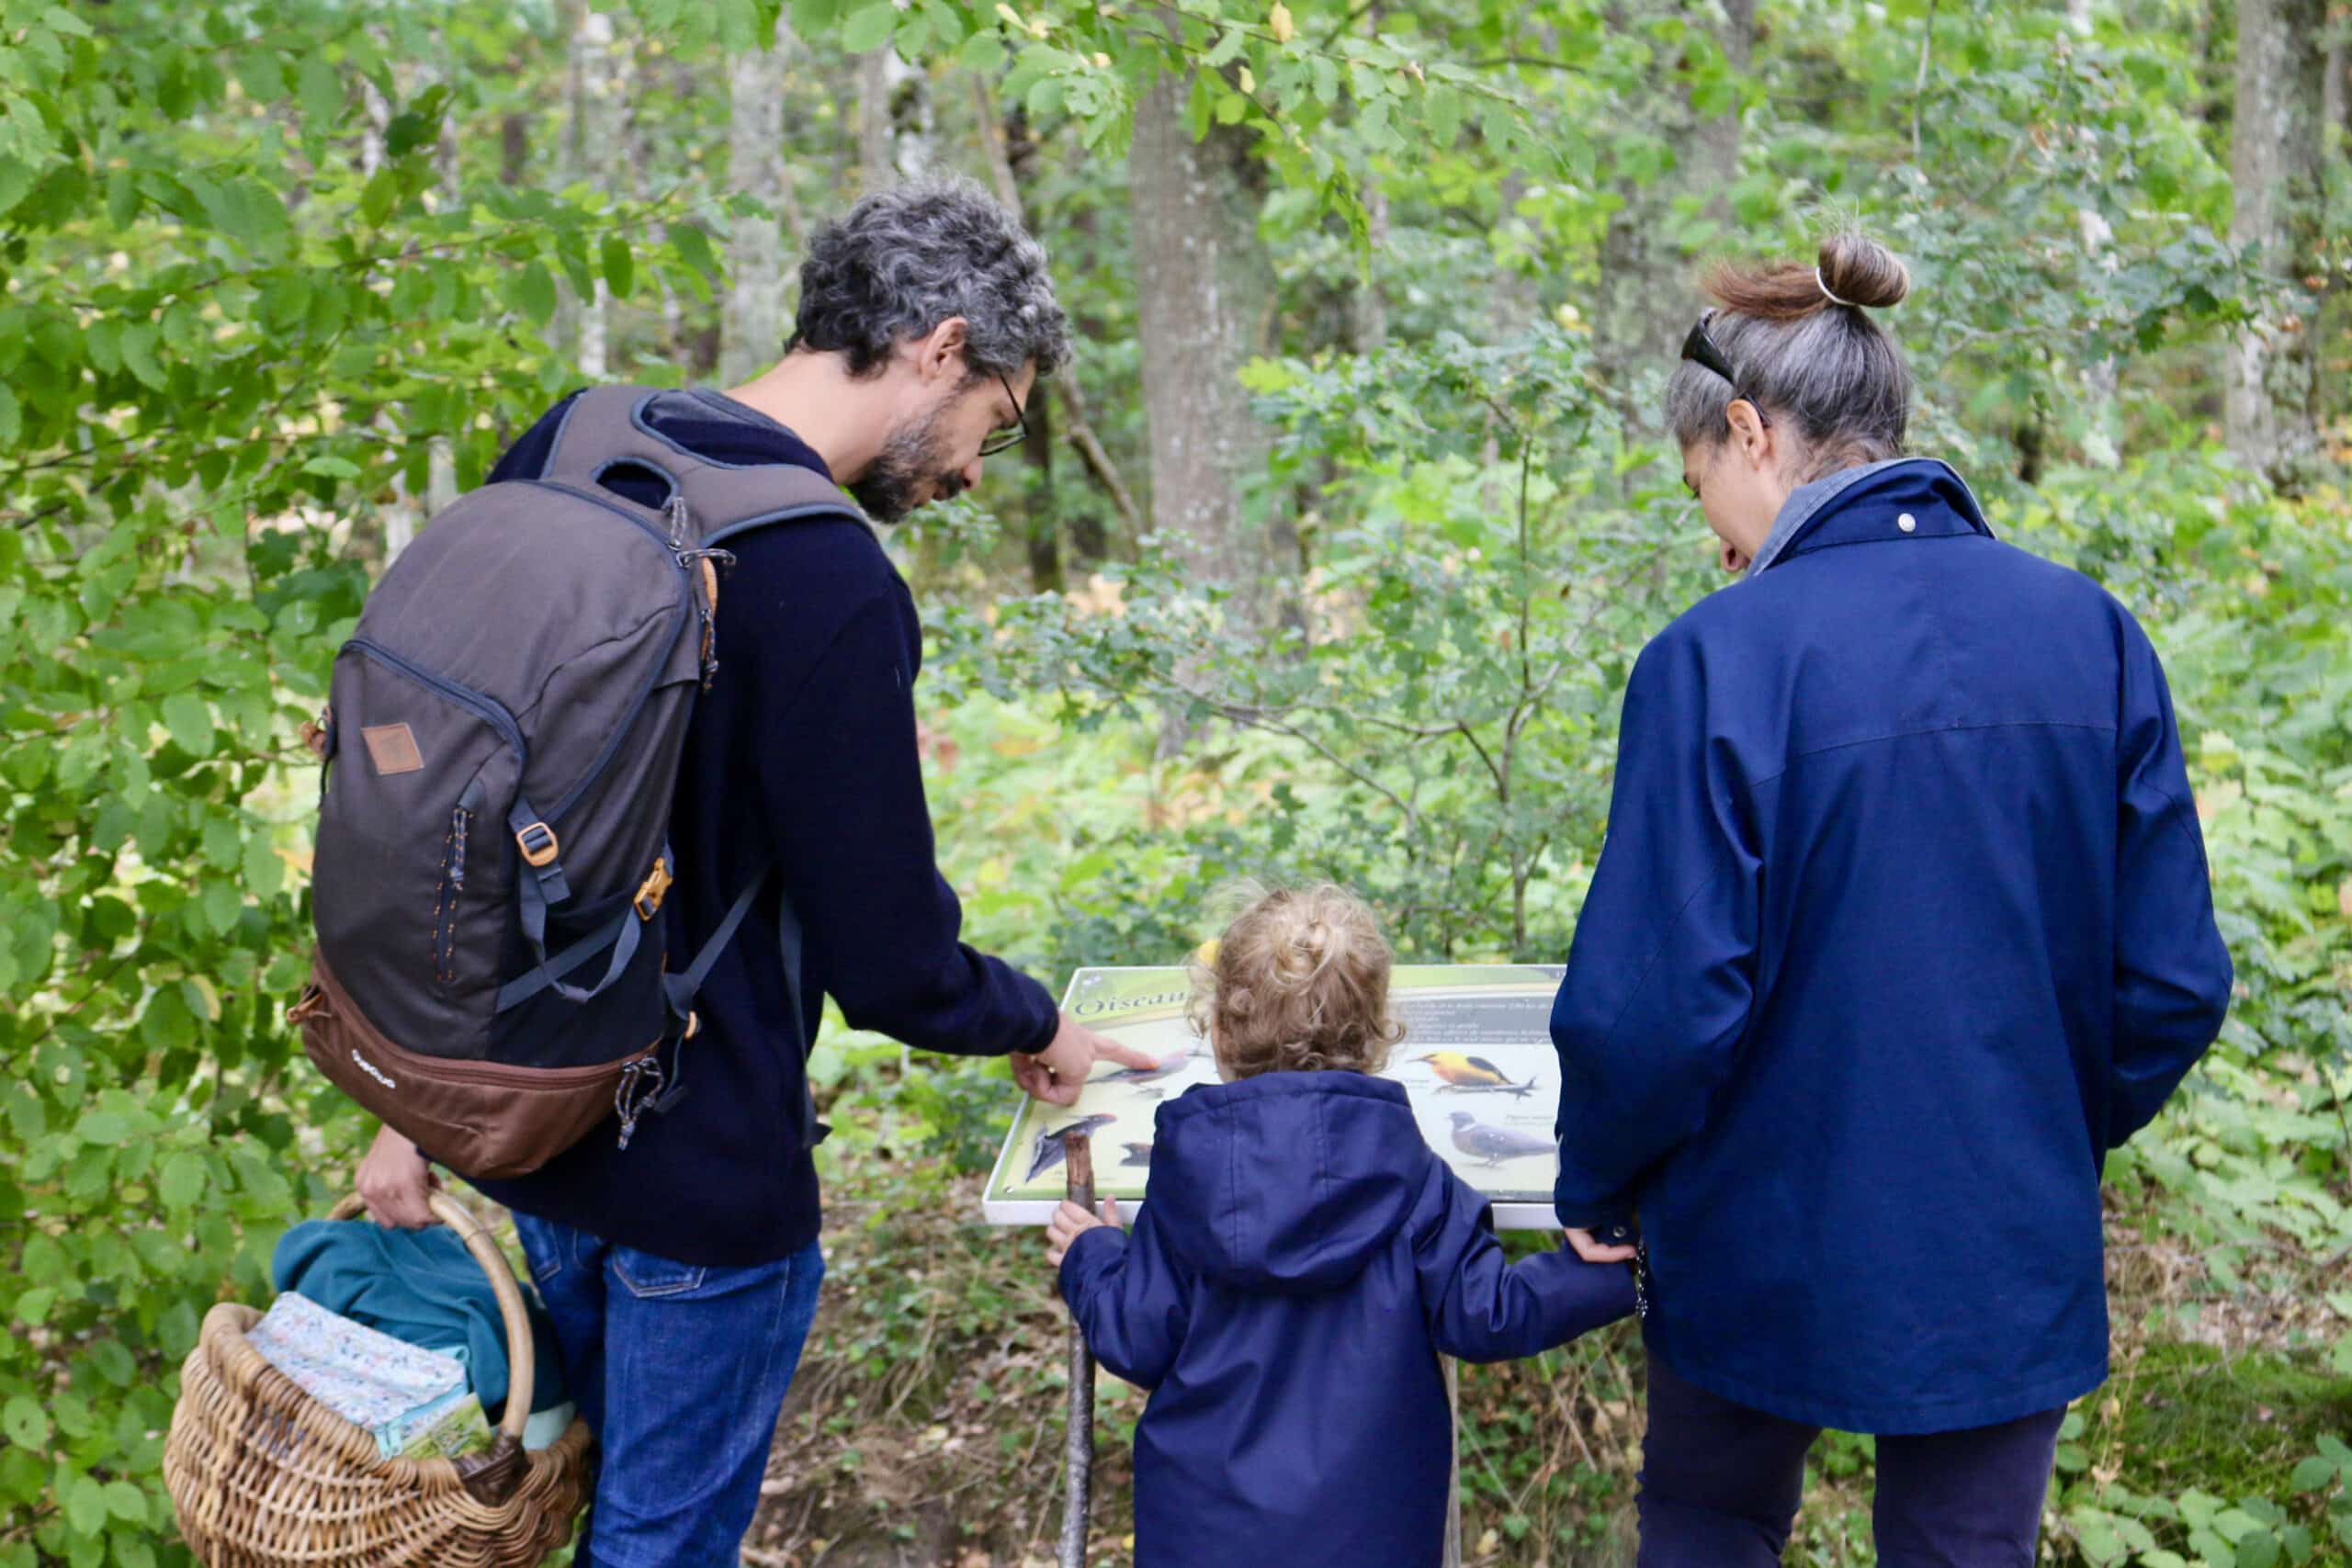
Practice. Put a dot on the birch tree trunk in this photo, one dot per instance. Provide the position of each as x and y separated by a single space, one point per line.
380 542
1207 287
2269 381
877 161
441 474
752 326
589 145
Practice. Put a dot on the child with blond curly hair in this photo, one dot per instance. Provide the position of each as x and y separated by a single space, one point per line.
1300 1260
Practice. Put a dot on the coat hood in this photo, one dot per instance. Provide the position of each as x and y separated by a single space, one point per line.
1289 1182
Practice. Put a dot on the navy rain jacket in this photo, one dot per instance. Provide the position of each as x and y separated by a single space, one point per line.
1300 1259
1901 924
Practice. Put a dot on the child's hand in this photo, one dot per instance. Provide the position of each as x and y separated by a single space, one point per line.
1069 1222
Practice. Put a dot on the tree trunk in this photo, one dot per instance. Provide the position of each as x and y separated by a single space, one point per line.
1208 282
1041 531
1644 303
913 121
751 329
1001 137
441 475
2269 383
1367 304
589 147
877 156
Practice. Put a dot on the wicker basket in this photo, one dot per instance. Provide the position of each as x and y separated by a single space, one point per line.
263 1476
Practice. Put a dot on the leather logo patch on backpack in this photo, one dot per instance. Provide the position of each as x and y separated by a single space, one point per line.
393 748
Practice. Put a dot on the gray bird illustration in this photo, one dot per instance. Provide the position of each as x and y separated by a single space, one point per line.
1166 1067
1046 1153
1138 1154
1492 1146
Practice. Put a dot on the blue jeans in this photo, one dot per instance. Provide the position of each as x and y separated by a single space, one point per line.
1721 1483
681 1372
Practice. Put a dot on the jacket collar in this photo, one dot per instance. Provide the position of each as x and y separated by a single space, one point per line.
1870 504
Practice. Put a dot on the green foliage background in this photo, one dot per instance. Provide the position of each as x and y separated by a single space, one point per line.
226 345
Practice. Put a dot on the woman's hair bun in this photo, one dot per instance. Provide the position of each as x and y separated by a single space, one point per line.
1860 271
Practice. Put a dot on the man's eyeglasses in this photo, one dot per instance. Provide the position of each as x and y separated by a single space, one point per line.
1006 437
1701 347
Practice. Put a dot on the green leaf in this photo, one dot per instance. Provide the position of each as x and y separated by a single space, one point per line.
126 1502
262 75
85 1506
332 468
114 1362
183 1179
2313 1473
32 1307
122 198
380 194
12 417
190 722
224 904
1444 115
870 28
16 183
693 248
104 1128
535 293
24 1423
320 92
620 267
265 868
138 356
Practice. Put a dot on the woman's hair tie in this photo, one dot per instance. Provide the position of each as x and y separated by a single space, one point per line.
1825 294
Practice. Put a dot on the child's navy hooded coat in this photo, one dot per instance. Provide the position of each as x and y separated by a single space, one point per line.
1300 1259
1901 924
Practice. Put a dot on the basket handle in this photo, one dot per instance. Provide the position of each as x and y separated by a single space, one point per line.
490 1477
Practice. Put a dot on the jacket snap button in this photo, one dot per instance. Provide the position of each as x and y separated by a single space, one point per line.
1906 523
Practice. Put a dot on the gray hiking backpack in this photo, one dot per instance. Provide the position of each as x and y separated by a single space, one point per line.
502 741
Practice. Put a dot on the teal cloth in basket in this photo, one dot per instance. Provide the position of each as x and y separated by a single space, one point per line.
421 1286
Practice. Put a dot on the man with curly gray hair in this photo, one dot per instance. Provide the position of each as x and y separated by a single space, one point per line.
682 1273
927 310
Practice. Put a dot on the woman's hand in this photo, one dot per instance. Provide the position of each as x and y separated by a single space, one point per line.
1591 1251
1071 1221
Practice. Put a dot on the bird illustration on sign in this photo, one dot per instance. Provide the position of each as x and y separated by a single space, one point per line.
1474 1074
1490 1146
1166 1067
1046 1153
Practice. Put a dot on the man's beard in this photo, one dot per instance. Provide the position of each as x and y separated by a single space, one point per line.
915 452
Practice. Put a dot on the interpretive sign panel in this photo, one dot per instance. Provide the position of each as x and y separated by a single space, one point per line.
1477 1062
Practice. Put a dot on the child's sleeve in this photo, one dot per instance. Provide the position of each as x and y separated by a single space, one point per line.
1128 1297
1483 1307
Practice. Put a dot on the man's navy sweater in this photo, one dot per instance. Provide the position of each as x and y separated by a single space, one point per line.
802 755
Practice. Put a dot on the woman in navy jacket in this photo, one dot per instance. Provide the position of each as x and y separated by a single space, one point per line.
1901 924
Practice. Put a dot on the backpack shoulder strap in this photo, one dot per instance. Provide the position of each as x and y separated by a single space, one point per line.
606 427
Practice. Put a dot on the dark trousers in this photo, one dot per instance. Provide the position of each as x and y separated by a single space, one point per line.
1720 1487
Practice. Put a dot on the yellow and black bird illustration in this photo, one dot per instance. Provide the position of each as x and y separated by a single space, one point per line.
1046 1153
1492 1146
1467 1072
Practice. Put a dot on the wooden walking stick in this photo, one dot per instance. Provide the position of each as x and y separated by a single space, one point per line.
1077 1447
